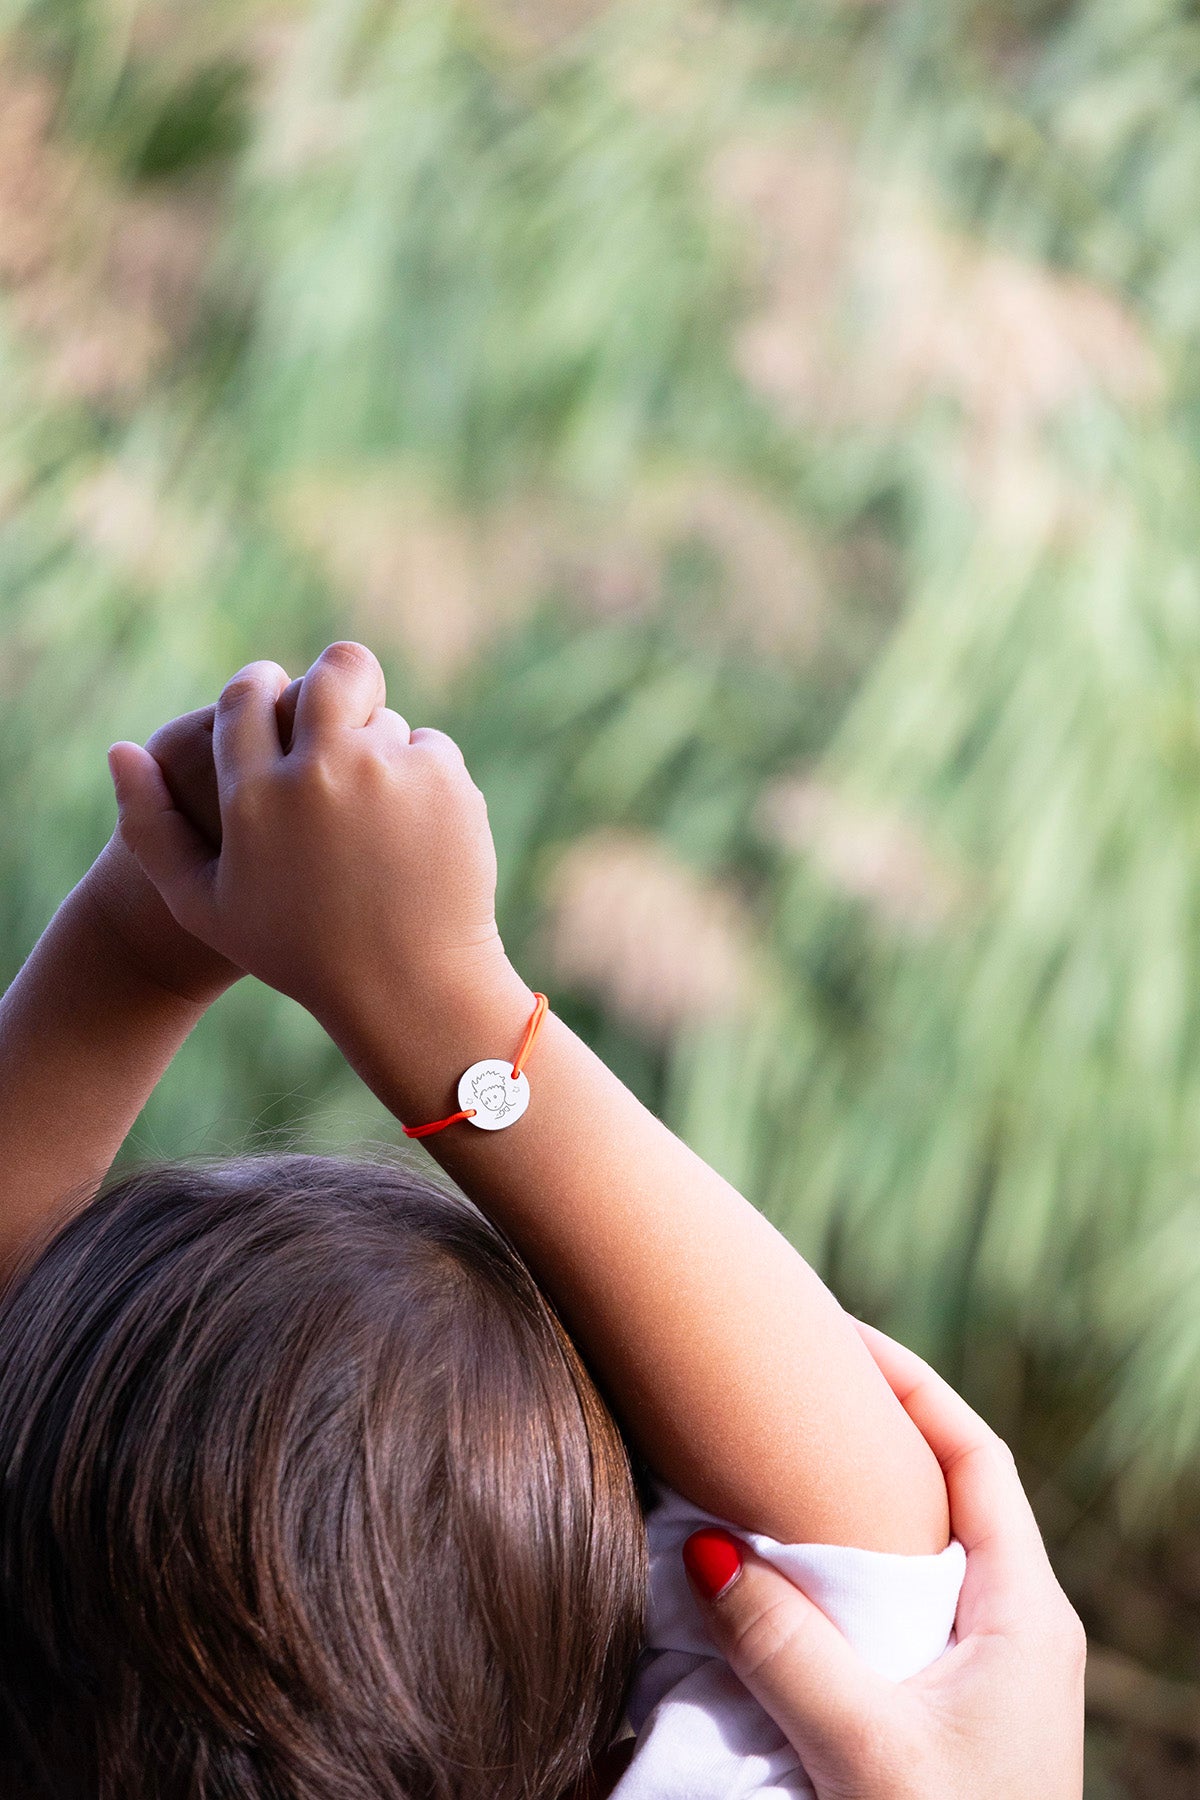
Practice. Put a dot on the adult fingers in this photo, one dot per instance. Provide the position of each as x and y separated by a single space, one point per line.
964 1443
171 851
344 687
1007 1565
790 1656
245 733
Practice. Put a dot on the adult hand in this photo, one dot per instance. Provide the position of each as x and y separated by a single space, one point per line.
999 1716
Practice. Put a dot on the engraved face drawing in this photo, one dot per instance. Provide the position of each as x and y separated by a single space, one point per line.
491 1092
489 1096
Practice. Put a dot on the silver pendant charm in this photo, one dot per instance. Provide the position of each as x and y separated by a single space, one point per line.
488 1090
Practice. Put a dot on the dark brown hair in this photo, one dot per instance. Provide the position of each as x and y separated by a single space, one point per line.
305 1494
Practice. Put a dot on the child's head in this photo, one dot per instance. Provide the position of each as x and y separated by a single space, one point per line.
306 1495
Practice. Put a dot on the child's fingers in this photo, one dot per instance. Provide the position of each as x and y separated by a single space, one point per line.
169 849
390 732
437 743
285 711
343 687
183 750
201 719
245 733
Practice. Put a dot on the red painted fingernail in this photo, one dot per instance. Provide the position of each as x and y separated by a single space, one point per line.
713 1561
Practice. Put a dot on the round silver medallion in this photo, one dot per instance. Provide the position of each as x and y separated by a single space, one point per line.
489 1091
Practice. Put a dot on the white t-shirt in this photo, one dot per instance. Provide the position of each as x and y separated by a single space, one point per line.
699 1734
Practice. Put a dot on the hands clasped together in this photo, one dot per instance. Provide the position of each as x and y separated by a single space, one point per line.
361 843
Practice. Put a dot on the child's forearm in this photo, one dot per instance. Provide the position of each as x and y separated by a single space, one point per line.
741 1379
85 1035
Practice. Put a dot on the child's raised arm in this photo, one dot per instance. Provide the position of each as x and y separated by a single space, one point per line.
357 874
100 1006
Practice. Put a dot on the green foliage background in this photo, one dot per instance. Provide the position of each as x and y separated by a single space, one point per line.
767 437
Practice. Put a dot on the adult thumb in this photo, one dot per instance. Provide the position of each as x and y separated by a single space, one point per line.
165 843
791 1657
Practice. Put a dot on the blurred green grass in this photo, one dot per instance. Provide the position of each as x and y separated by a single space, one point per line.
766 437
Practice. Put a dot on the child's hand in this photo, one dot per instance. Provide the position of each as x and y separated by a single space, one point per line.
359 855
124 901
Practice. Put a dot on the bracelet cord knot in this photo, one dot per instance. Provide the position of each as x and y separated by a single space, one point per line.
540 1007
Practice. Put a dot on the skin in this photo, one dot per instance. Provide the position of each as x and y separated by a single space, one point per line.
357 874
99 1008
120 977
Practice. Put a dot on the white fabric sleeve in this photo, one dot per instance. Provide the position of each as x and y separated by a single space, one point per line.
699 1734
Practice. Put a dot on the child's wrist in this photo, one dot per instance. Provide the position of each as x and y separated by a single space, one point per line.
410 1037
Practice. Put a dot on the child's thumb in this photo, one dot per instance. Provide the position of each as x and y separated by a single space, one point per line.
165 843
791 1657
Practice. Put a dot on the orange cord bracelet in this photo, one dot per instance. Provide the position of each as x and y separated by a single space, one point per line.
541 1004
488 1078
